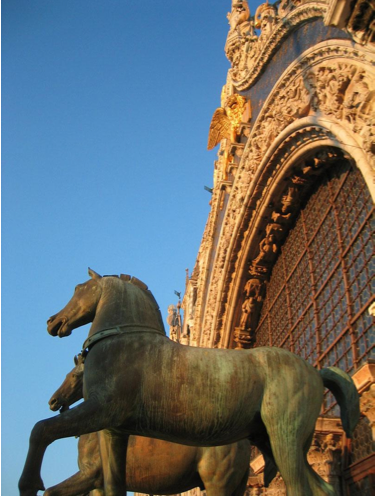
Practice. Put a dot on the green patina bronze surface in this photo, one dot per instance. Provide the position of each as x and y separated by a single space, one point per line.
142 383
152 466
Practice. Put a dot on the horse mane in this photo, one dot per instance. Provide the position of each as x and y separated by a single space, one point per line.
136 282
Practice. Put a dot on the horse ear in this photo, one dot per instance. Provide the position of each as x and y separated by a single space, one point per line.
94 275
76 360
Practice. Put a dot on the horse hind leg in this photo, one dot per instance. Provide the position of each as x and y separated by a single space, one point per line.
288 441
291 458
291 463
318 485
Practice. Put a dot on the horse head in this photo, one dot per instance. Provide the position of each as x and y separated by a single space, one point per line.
80 310
70 391
108 302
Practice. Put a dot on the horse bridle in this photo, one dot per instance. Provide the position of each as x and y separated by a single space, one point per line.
116 330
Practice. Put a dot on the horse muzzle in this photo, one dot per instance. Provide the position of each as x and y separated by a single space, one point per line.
58 327
58 405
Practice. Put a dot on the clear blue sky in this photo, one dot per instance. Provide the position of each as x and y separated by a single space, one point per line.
106 106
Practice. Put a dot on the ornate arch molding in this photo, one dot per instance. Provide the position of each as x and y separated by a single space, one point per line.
291 177
325 102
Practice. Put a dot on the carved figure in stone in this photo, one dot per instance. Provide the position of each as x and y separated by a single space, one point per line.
248 308
297 100
265 20
268 248
152 466
269 245
368 137
325 457
254 288
283 219
239 14
139 382
329 84
357 97
174 323
254 293
288 201
286 6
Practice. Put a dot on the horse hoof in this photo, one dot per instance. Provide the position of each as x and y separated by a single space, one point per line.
27 490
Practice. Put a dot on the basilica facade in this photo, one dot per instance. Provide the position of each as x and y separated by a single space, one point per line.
286 257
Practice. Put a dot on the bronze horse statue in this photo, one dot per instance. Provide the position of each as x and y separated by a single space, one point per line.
152 466
139 382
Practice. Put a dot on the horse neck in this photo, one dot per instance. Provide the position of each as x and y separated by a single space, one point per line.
122 303
110 308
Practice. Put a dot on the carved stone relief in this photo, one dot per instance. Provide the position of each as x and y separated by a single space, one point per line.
331 84
325 456
249 52
361 23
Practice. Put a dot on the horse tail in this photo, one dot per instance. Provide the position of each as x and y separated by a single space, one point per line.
346 394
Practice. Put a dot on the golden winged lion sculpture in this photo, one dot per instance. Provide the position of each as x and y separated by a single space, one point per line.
225 124
226 120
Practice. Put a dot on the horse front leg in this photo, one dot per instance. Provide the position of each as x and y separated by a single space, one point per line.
85 418
78 484
113 449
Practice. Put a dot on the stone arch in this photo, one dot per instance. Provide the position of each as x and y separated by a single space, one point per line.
276 213
326 98
303 145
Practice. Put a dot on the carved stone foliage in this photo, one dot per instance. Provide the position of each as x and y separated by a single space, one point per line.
251 42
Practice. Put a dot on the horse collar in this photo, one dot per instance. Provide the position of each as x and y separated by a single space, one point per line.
115 330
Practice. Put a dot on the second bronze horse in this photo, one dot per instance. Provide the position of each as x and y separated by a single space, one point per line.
152 466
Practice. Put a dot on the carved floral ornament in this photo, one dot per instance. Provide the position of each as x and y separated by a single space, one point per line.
327 96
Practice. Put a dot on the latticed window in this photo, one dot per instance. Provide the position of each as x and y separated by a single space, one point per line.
322 283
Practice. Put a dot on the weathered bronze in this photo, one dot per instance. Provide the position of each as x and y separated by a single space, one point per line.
138 382
152 466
